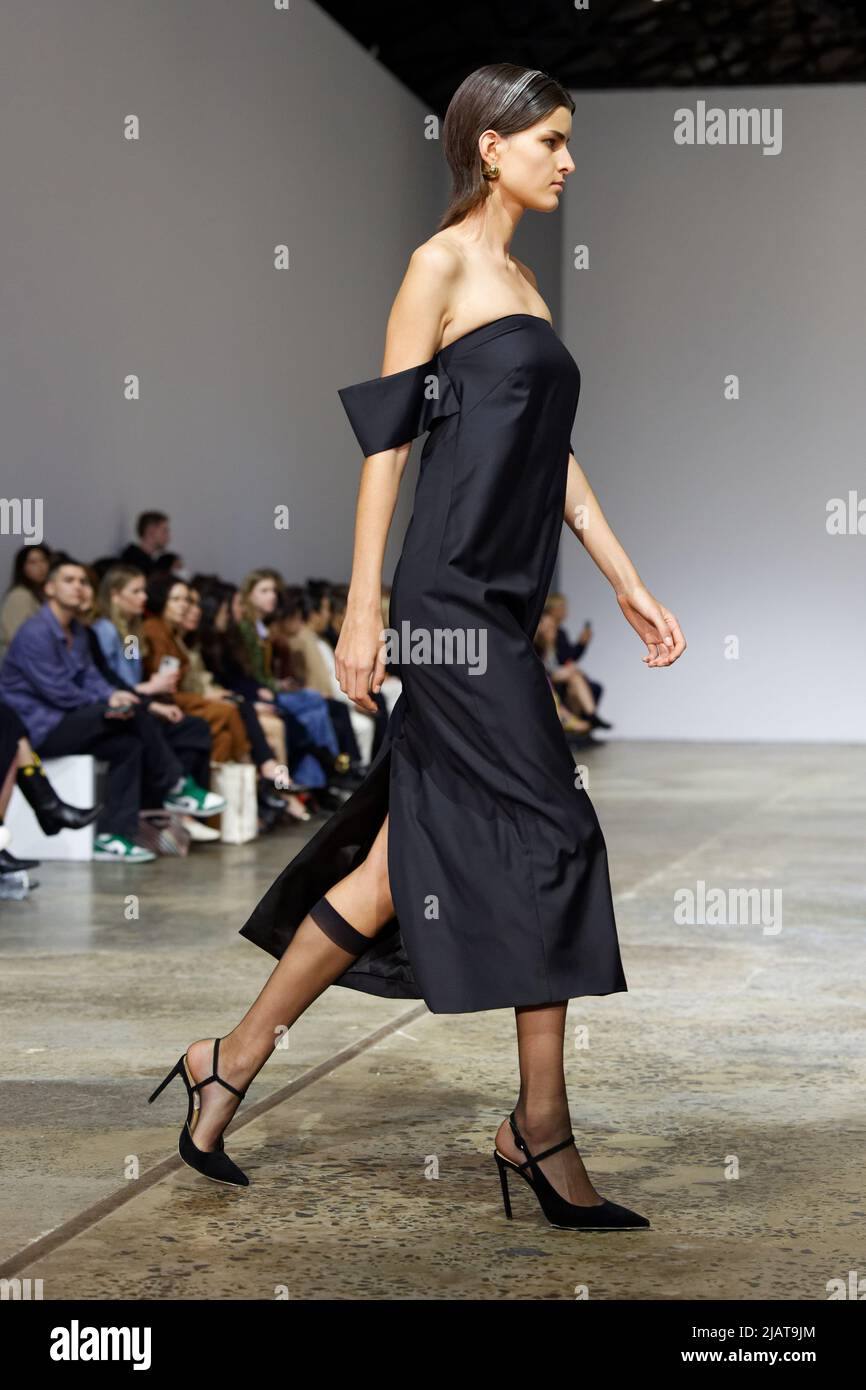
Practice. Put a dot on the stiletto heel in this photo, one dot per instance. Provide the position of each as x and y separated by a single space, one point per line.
215 1163
503 1178
162 1085
605 1216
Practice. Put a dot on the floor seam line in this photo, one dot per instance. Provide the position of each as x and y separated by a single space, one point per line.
106 1206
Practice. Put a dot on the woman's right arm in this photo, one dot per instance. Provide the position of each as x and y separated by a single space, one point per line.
415 325
160 683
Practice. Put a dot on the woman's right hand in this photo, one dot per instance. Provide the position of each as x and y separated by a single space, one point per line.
265 695
654 624
359 655
160 683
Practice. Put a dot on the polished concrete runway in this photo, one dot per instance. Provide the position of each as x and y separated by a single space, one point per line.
722 1095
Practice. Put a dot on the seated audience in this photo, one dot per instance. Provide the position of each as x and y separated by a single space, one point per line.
545 644
257 602
202 681
227 658
588 694
160 676
67 706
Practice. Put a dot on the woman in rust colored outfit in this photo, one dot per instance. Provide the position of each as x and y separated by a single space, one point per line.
167 599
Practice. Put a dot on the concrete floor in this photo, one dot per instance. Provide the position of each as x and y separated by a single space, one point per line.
722 1095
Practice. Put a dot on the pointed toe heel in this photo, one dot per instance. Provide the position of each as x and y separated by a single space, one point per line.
215 1163
572 1216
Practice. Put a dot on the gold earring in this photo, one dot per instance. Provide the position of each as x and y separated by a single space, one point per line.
490 171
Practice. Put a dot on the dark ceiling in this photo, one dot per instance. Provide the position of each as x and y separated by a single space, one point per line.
613 43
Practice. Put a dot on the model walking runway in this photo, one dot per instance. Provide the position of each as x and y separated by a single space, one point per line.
497 862
468 868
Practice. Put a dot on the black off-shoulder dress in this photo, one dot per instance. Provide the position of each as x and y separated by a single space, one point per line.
497 863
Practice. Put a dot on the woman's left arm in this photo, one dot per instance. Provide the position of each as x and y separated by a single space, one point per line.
654 624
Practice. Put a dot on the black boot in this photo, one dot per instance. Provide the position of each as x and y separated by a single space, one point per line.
596 721
52 814
10 865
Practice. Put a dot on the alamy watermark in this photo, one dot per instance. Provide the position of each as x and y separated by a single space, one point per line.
22 516
729 907
445 646
740 125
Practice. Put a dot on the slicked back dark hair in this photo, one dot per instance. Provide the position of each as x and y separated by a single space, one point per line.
503 97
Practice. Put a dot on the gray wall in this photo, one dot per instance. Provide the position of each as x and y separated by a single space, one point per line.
156 257
707 261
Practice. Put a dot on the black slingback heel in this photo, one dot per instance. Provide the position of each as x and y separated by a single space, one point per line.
607 1216
216 1163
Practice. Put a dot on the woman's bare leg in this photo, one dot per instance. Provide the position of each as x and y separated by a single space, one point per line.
23 757
542 1111
579 692
310 963
25 753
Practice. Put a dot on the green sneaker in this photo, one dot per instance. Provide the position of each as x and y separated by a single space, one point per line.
118 849
193 800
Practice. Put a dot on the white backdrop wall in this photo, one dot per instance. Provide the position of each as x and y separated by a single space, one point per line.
155 256
706 261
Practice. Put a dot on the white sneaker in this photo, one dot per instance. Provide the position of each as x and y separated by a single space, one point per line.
197 831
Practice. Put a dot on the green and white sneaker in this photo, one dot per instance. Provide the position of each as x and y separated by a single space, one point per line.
193 800
120 850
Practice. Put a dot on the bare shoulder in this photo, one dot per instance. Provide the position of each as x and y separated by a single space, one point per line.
439 256
421 307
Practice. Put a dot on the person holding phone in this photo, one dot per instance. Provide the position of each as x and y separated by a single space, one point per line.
164 652
575 688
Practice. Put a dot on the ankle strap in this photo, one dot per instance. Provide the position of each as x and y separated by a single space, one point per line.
228 1085
215 1076
530 1157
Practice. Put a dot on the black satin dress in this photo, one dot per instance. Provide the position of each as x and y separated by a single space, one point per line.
497 863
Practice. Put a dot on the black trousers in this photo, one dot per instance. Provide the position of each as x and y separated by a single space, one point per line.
11 730
127 745
190 741
259 746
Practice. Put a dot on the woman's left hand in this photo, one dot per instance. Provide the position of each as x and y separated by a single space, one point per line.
654 624
172 714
